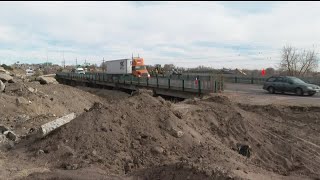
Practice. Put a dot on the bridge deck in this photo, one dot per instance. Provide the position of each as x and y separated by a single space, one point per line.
160 84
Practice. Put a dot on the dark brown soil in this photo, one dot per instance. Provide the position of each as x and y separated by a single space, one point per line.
118 136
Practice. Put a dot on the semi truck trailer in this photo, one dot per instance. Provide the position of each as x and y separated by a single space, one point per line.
134 66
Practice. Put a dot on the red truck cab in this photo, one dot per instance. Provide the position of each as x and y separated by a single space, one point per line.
139 69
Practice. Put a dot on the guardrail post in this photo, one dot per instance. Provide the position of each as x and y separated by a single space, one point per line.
199 87
182 84
147 81
215 86
169 83
131 79
236 79
157 82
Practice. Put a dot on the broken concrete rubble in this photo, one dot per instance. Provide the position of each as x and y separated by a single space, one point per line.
3 129
177 133
10 135
5 77
2 86
32 90
22 100
157 150
47 80
50 126
7 138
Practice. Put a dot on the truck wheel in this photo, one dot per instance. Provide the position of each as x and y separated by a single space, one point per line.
299 92
271 90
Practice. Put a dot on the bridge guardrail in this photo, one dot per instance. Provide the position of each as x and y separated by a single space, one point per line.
197 86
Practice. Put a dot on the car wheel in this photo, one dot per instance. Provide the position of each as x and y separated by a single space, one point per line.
299 92
311 93
271 90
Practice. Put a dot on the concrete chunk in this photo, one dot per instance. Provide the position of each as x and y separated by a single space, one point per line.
5 77
52 125
3 129
10 135
21 100
2 86
47 80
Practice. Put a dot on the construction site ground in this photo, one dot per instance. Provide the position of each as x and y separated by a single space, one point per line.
119 136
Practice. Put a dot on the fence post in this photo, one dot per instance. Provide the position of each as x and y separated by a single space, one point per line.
169 83
236 79
138 81
251 80
147 81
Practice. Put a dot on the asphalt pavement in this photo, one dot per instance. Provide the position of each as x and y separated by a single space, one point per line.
256 93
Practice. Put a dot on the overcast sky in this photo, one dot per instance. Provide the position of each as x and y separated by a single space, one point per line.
218 34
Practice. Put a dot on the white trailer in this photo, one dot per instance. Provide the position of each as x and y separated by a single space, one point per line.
120 66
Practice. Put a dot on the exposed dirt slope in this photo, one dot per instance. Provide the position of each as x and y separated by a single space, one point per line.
143 132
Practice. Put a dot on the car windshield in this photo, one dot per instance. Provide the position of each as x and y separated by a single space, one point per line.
140 67
297 80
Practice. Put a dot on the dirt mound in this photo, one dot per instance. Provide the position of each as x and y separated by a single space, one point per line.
26 105
178 171
137 133
283 139
147 136
218 99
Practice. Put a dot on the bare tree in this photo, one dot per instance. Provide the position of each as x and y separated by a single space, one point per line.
289 59
298 64
308 62
270 71
168 67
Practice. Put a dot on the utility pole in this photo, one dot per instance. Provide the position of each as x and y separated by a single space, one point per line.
103 65
47 57
63 61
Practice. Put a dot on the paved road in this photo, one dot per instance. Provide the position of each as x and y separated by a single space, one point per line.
255 93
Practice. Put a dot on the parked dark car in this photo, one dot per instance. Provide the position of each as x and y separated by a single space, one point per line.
290 84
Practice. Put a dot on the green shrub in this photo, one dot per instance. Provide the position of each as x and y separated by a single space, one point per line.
7 67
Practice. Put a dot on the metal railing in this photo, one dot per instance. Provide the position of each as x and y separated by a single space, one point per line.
209 85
